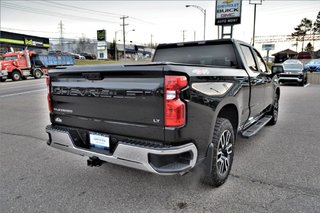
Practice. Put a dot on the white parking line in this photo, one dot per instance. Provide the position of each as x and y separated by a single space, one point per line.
22 86
22 93
307 85
23 82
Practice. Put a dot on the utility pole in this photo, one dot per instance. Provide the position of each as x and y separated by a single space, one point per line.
183 35
61 35
194 35
124 34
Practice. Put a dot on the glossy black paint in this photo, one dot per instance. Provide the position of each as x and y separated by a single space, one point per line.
128 100
102 105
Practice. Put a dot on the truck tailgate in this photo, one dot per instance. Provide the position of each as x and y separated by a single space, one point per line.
121 103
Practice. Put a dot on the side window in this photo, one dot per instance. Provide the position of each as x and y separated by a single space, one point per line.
261 63
249 58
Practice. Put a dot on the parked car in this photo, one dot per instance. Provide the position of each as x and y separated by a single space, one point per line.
313 66
277 69
89 56
77 56
293 71
304 55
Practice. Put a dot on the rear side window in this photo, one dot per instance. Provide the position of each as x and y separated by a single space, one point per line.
261 63
249 58
213 55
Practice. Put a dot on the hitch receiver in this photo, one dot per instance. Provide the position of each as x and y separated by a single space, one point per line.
94 161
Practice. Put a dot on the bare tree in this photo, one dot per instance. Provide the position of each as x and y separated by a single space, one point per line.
83 45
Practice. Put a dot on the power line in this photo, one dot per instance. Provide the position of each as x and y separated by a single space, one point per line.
15 29
64 6
114 15
49 13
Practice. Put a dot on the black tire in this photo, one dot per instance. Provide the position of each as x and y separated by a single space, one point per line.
37 74
223 141
16 76
3 79
274 111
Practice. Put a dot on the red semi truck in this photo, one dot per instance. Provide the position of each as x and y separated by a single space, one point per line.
20 65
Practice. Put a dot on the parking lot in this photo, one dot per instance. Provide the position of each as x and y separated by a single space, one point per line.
274 171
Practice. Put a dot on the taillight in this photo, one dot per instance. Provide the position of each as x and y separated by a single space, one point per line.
49 93
175 109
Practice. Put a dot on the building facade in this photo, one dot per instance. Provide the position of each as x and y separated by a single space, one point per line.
10 42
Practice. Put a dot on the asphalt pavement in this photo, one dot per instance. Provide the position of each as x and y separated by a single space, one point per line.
274 171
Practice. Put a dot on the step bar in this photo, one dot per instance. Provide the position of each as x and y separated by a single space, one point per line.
256 127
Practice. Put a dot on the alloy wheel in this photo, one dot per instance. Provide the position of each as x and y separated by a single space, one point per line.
224 152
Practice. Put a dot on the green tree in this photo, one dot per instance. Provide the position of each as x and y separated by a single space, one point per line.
302 29
309 47
316 25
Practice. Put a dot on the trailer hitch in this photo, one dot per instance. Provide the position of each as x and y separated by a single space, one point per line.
94 161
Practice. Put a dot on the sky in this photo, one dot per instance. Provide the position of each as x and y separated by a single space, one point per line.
161 21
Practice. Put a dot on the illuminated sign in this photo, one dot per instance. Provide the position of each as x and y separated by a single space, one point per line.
228 12
101 35
30 42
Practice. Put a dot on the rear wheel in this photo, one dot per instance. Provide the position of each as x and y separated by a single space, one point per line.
16 76
37 74
3 79
223 142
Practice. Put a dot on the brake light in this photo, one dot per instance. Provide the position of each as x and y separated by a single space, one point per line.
49 93
175 109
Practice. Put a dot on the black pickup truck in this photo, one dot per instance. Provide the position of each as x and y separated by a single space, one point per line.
183 110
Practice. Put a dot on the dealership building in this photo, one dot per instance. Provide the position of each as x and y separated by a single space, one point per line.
16 42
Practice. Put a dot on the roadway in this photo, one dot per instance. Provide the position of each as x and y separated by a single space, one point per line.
274 171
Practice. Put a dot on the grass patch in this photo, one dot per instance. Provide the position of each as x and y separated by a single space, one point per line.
91 62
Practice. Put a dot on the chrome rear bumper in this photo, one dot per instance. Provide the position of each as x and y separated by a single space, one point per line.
129 155
290 79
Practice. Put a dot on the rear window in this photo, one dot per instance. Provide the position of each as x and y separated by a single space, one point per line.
213 55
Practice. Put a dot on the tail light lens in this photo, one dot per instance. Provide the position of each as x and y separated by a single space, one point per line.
175 109
49 93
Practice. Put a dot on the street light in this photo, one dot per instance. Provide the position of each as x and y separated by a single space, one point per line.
115 37
130 31
127 37
254 2
115 45
204 18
